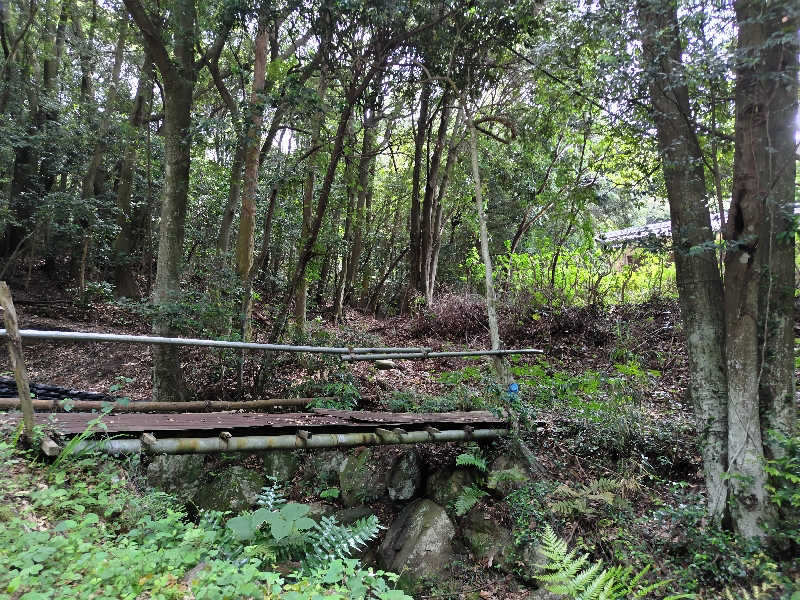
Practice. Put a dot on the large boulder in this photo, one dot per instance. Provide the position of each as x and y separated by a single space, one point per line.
177 474
405 476
379 473
234 489
511 470
323 466
489 542
419 542
445 486
281 464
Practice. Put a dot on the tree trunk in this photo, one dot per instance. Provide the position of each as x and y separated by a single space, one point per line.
415 249
125 282
759 263
698 279
301 293
168 383
502 374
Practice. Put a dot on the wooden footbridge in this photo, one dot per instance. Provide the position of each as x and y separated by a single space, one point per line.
188 433
230 430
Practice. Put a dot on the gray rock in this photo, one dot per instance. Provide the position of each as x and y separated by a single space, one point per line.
177 474
490 542
234 489
405 477
419 542
281 464
347 516
322 467
380 473
362 478
445 485
532 559
317 510
520 465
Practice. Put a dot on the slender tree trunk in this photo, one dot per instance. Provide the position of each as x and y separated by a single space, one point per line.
125 282
365 169
415 252
89 184
501 372
428 226
301 293
246 240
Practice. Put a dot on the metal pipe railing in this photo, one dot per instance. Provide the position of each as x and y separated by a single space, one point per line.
348 354
81 336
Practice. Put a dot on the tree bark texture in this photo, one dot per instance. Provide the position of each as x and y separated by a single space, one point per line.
698 278
759 263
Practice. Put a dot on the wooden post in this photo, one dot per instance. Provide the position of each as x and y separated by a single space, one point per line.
17 360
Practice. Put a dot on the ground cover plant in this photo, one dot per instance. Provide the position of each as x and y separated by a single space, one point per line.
81 529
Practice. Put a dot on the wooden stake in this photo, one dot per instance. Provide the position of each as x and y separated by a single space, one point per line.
17 360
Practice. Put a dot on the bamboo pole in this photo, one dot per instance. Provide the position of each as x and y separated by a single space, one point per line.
255 443
192 406
84 336
343 353
17 360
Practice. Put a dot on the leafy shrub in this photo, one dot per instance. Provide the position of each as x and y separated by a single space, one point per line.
575 576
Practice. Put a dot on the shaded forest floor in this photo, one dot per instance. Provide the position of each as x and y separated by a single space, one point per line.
606 401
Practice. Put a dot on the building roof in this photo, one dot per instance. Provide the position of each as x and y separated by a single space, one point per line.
662 229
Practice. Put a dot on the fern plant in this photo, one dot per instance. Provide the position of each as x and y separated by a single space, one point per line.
330 540
468 498
575 576
271 496
581 502
468 459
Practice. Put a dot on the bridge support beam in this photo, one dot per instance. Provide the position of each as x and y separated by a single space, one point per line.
255 443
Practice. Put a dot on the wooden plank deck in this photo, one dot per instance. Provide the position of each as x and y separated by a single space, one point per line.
319 421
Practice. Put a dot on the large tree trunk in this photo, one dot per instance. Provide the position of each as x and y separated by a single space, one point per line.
759 264
168 384
698 278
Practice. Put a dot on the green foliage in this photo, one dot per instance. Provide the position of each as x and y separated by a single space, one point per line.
337 391
87 534
271 496
702 554
331 540
468 498
512 476
330 493
584 275
784 491
587 502
575 576
468 459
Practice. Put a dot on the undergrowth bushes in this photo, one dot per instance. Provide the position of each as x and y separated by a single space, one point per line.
80 531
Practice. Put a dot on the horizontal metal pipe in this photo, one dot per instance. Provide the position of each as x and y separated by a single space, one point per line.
423 355
191 406
254 443
82 336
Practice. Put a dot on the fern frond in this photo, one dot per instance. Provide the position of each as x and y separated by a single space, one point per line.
512 475
271 496
471 460
467 499
332 540
574 576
